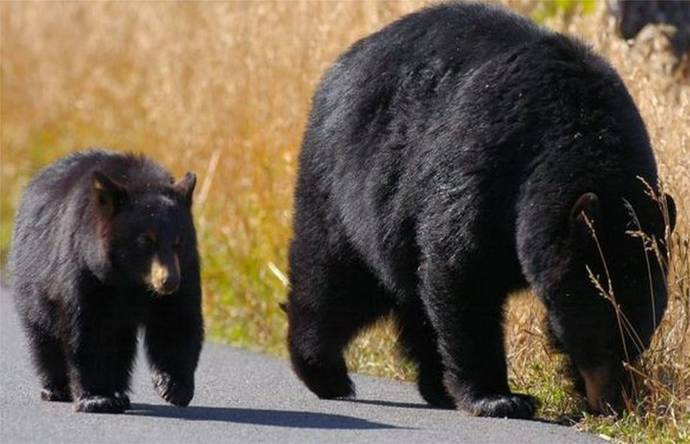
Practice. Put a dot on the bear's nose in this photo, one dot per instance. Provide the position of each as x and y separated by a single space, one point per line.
169 285
603 394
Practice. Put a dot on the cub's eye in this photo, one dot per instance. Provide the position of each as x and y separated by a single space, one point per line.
146 240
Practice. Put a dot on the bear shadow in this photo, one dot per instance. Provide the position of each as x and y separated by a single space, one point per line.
564 420
274 418
398 404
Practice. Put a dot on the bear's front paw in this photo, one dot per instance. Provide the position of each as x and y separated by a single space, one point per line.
506 406
101 404
174 390
434 393
56 395
332 387
327 380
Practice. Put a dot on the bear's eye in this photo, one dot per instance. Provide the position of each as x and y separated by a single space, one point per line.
146 240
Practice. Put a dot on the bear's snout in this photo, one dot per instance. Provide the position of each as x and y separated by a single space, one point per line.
602 390
164 276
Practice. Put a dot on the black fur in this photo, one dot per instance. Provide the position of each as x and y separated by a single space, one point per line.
86 232
440 170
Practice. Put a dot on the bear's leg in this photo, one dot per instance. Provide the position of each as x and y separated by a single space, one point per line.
173 340
466 309
330 300
49 360
418 341
101 362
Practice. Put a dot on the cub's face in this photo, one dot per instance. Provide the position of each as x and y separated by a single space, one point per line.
147 233
613 295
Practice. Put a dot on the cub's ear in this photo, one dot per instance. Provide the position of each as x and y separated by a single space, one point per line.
671 211
585 209
108 194
185 187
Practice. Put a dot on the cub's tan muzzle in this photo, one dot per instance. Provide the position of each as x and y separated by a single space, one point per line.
164 276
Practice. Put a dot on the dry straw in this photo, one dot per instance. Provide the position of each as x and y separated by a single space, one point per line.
223 89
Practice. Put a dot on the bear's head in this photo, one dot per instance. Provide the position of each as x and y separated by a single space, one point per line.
144 231
611 295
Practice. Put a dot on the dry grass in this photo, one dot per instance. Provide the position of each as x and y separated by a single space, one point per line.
223 89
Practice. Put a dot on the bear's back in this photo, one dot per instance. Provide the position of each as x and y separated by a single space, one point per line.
464 74
461 33
449 38
392 86
72 173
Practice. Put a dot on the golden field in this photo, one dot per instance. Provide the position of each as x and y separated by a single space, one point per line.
223 89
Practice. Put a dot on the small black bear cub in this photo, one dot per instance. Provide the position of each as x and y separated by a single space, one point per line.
449 159
105 243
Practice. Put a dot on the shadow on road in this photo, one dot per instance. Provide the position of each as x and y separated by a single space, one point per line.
564 420
275 418
404 405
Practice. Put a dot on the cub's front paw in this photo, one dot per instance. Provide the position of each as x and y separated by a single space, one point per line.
505 406
101 404
56 395
176 391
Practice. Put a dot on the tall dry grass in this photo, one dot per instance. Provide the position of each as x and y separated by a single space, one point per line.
223 89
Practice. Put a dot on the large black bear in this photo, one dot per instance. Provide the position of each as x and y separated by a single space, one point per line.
456 155
105 243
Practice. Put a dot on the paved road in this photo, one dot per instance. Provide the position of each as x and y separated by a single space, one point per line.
245 397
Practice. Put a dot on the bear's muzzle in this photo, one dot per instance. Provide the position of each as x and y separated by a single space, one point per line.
164 276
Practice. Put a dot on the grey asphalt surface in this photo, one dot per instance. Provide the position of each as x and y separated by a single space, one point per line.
245 397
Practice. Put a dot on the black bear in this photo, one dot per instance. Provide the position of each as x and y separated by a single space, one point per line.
105 243
456 155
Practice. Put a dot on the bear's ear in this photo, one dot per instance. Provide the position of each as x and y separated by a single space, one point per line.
585 214
671 211
185 187
108 194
